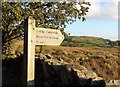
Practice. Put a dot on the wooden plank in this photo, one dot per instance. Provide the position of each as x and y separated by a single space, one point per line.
29 51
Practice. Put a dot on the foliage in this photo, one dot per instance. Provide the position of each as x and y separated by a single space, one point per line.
94 56
48 15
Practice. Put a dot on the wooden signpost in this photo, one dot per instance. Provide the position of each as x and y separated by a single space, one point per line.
36 36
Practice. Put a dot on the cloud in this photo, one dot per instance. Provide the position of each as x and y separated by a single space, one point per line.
107 9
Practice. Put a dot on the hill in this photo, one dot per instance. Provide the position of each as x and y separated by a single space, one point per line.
87 41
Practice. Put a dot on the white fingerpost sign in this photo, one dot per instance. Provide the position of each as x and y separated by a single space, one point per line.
46 36
36 36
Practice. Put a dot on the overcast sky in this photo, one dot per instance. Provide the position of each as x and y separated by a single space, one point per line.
101 21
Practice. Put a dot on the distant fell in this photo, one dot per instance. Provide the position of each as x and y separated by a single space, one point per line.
88 41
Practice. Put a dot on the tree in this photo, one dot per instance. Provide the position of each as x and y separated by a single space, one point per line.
48 15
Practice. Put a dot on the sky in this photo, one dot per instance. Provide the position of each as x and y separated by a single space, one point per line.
101 21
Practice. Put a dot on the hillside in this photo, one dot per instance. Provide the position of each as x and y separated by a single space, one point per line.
103 61
87 41
63 64
58 65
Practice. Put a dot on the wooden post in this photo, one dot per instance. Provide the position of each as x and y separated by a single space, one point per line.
29 52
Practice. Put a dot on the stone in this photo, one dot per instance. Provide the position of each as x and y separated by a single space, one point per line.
110 82
98 83
85 82
90 74
117 82
80 74
42 56
48 56
63 75
98 78
45 69
79 67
